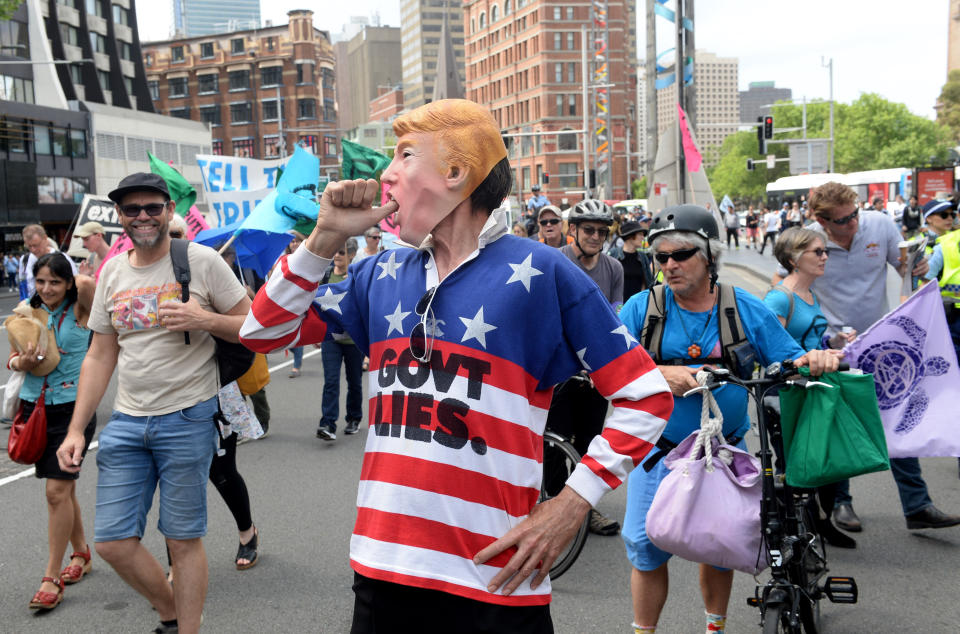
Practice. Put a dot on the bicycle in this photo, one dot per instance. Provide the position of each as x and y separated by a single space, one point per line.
559 461
789 602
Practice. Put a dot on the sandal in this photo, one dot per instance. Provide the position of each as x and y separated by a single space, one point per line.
74 572
47 600
249 552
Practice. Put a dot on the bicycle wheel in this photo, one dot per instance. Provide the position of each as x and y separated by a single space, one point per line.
812 568
776 620
559 461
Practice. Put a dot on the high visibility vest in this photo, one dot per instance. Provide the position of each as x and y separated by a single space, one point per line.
950 276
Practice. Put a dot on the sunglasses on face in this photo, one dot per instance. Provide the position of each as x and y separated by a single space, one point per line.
846 219
946 215
153 210
176 234
373 237
341 252
549 221
421 342
680 255
601 233
818 252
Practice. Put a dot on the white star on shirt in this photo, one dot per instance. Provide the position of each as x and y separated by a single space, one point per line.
389 267
331 300
582 353
396 320
476 328
523 272
625 332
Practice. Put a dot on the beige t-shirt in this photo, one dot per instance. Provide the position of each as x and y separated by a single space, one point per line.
158 372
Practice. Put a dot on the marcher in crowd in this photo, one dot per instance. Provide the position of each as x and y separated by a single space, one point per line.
92 235
462 300
551 227
691 338
38 245
65 300
162 427
520 230
373 241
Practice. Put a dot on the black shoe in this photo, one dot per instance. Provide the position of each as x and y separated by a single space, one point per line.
353 426
846 518
325 434
834 537
931 517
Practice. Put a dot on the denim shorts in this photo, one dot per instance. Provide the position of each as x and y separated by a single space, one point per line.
138 452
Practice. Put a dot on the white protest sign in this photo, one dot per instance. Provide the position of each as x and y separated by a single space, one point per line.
234 185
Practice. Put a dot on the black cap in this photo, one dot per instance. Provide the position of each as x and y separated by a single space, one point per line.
535 188
629 228
139 182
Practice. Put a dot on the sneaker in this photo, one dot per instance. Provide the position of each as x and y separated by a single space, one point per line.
353 426
163 628
324 433
600 524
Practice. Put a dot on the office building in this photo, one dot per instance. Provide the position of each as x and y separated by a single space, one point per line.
717 113
421 24
204 17
261 91
523 62
76 128
755 101
365 63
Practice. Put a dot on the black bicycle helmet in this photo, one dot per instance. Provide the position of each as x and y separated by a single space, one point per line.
688 218
591 209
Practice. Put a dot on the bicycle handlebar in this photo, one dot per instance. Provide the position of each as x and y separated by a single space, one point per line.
784 373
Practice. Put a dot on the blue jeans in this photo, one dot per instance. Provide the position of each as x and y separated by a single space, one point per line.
333 354
297 357
906 472
139 452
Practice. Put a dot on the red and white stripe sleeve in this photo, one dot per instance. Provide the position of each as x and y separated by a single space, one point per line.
281 315
642 404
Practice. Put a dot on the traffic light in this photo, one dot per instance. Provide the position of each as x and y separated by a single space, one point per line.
768 127
546 178
593 178
749 164
761 142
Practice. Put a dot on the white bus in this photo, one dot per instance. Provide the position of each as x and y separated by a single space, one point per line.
886 183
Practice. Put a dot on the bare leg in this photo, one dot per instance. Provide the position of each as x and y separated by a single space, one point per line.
715 586
78 538
142 572
59 527
190 590
649 589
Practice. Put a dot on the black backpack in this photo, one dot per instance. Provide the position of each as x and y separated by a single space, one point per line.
233 359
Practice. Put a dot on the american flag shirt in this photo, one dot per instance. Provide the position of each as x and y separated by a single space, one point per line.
453 457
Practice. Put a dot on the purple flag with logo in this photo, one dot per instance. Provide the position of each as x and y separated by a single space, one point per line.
914 365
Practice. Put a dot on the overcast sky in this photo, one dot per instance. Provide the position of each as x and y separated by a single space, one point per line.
898 51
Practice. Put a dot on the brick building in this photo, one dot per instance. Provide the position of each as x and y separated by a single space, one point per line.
232 82
523 62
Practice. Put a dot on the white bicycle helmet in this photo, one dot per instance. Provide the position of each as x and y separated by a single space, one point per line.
591 209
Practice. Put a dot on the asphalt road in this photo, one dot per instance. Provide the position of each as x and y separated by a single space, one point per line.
303 492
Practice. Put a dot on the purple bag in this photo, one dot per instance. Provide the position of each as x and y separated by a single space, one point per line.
710 513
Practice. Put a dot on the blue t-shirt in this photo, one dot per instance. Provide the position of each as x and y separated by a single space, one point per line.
761 327
72 341
807 324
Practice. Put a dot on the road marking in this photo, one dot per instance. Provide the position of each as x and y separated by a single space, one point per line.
95 444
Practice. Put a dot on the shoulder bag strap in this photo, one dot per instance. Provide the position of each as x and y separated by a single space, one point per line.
181 272
652 331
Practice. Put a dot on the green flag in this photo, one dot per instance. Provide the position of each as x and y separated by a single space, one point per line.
181 192
359 161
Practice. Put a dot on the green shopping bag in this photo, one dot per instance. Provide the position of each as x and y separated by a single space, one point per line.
834 433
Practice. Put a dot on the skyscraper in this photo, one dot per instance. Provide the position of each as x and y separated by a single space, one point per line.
203 17
759 95
421 24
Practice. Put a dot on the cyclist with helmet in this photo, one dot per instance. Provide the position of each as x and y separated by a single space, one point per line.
685 244
590 222
536 202
577 410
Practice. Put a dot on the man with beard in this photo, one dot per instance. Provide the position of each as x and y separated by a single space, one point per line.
162 428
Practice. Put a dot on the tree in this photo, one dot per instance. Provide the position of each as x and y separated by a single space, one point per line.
638 188
948 110
8 7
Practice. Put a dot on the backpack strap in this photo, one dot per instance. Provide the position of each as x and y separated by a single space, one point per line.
181 272
789 294
652 331
731 328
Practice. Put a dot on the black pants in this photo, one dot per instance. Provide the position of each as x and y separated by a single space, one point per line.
732 231
381 607
230 484
772 236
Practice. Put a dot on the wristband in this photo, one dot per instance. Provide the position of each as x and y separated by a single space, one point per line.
13 355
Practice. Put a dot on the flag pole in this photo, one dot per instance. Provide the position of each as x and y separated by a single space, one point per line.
226 245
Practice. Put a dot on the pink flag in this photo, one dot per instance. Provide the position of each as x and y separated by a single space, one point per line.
914 366
690 151
195 224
